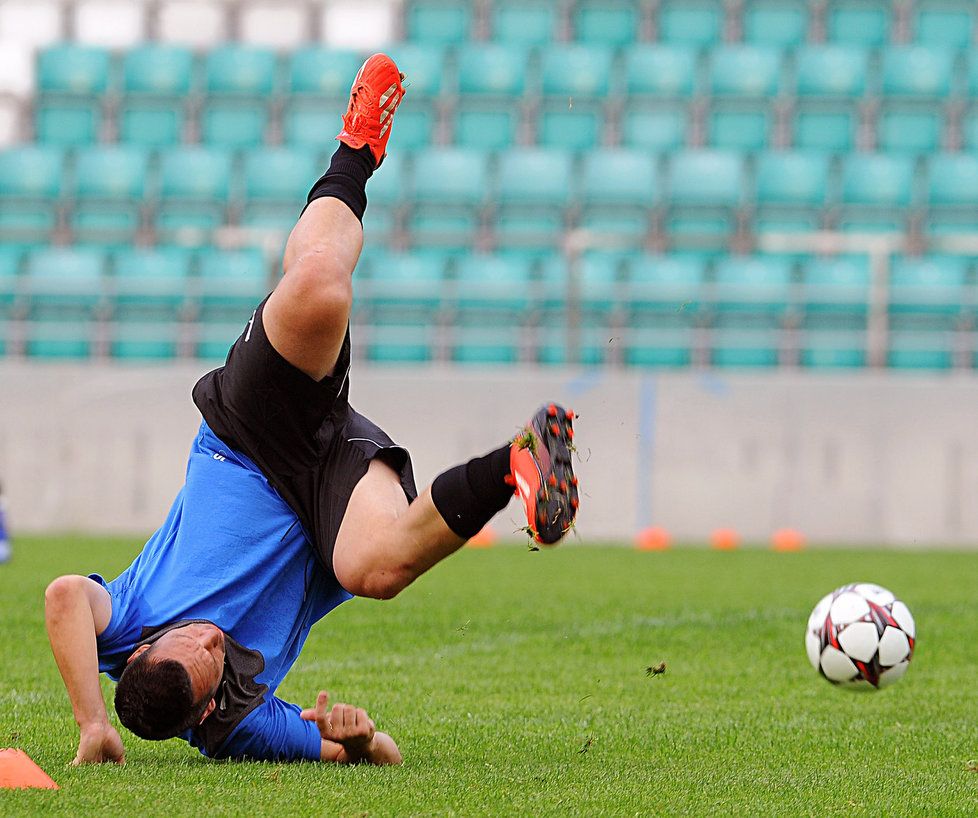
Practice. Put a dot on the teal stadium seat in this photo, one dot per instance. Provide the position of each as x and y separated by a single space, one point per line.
139 340
491 79
916 82
664 291
659 81
691 22
927 293
776 22
860 22
70 81
952 193
232 282
948 23
920 350
110 183
486 345
618 189
556 345
150 283
833 349
524 22
752 292
400 344
607 23
876 192
969 124
438 21
156 82
319 82
64 283
743 80
835 293
597 283
744 349
215 338
276 182
388 190
705 188
491 285
791 188
194 184
830 81
11 259
450 186
31 178
575 80
239 82
534 189
59 339
658 348
403 284
424 69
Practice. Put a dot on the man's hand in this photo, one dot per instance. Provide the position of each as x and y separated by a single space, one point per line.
99 744
349 735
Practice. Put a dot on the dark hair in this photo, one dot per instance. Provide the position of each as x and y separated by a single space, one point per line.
156 700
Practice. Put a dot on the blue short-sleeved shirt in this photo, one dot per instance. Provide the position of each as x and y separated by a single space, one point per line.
232 552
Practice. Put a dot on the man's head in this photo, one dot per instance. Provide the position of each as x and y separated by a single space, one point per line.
169 686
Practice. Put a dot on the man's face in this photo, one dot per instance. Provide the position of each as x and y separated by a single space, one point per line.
199 648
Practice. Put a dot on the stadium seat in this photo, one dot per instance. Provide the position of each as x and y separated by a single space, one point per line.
323 73
876 190
194 185
743 80
423 67
215 338
596 281
664 290
832 350
775 22
791 189
156 82
861 22
830 80
239 82
660 71
64 283
491 78
655 128
704 189
927 292
656 348
400 283
485 345
919 350
276 182
916 80
557 345
31 177
524 22
751 291
744 349
835 292
10 264
143 341
59 339
438 21
534 187
492 284
607 23
70 79
575 80
150 283
948 23
400 343
110 183
450 187
692 22
618 189
232 282
952 193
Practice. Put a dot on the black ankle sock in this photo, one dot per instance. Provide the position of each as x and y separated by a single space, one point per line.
469 495
346 178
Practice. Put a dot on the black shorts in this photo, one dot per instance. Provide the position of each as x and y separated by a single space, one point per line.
305 437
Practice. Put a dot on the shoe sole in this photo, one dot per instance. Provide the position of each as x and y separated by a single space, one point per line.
557 499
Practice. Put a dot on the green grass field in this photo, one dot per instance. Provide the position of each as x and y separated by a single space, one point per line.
515 684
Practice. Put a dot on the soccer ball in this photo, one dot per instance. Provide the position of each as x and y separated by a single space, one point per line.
860 635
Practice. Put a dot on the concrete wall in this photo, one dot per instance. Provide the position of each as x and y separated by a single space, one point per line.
875 458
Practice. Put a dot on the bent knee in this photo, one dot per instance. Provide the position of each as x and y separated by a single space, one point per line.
318 288
376 583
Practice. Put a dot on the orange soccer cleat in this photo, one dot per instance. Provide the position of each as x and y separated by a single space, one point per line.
540 461
374 97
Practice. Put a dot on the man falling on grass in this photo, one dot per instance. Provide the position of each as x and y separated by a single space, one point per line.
293 503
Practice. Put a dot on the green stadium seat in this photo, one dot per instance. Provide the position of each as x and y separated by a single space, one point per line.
776 22
861 22
156 82
215 339
655 348
666 290
919 350
534 188
692 22
618 189
404 282
400 344
110 182
70 79
704 188
657 70
232 282
948 23
927 292
276 182
239 81
491 76
791 188
324 73
876 190
150 282
59 339
830 78
743 79
952 193
30 179
836 292
486 345
450 187
744 349
833 350
607 23
194 183
139 340
61 282
752 291
438 21
655 128
423 66
524 22
493 284
575 78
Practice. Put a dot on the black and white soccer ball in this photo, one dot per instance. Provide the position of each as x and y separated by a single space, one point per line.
860 635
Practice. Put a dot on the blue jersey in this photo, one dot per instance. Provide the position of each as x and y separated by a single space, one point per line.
231 552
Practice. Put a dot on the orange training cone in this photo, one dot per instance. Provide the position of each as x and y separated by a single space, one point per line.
787 539
486 538
725 539
653 539
18 771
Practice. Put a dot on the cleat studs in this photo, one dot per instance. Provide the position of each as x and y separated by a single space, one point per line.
563 485
552 480
554 429
570 433
570 414
575 503
552 410
574 481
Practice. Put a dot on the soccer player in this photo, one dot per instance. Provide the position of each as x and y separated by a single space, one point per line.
293 503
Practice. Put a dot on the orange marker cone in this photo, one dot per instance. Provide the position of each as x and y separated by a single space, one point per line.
787 539
486 538
725 539
18 771
653 539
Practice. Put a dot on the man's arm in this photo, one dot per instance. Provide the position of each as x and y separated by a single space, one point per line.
76 610
349 736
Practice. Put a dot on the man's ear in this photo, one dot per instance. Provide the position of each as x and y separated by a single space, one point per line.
137 653
208 710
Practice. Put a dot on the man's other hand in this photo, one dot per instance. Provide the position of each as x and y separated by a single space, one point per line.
343 724
99 744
